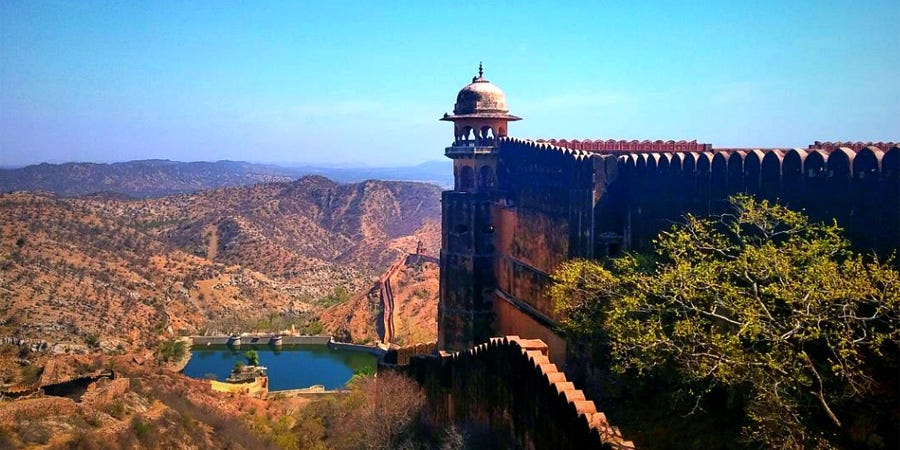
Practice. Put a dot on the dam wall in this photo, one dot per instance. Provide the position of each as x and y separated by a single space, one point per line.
259 339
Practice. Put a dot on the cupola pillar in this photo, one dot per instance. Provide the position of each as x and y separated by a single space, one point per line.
465 310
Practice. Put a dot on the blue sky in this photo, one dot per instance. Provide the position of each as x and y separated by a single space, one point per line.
363 83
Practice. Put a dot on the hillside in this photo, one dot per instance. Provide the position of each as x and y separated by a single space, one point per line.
146 178
414 302
158 178
112 272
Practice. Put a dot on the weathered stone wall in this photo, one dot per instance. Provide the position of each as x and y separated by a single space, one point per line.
554 203
592 199
543 215
510 386
858 189
402 355
513 320
465 311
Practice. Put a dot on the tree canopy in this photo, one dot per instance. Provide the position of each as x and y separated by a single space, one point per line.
759 300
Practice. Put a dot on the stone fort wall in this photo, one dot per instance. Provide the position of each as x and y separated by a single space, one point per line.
509 385
558 200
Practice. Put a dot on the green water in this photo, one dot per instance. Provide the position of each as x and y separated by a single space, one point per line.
290 367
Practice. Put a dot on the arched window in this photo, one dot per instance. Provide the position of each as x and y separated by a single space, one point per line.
466 133
487 132
486 177
466 179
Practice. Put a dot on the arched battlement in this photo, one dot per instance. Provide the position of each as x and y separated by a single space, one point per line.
792 177
838 184
840 163
829 147
617 146
752 171
735 175
664 161
652 163
867 162
719 167
814 164
890 164
770 175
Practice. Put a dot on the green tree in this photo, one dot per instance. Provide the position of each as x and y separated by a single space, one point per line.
777 310
252 358
171 351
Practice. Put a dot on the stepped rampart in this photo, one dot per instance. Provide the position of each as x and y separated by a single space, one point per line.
509 385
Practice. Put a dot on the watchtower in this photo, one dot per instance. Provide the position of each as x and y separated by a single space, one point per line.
465 311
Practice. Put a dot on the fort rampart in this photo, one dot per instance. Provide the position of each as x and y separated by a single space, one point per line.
510 386
554 203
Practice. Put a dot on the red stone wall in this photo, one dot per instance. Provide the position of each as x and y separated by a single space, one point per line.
510 386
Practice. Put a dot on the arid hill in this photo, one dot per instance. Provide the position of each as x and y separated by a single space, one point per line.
146 178
158 178
105 271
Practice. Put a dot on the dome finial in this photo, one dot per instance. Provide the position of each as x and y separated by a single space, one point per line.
480 70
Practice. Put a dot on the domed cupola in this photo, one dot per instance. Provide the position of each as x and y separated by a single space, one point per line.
478 105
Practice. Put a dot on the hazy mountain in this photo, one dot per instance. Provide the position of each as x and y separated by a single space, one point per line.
435 172
157 178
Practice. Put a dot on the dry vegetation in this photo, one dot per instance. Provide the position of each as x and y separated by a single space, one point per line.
119 273
145 407
415 298
111 279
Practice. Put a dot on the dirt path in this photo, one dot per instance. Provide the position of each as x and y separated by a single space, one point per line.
387 298
212 233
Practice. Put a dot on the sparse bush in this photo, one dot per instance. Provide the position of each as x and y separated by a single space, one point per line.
31 374
142 430
389 404
6 438
24 351
116 409
92 340
30 431
171 351
93 418
338 295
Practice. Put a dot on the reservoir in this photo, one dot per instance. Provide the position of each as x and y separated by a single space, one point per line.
289 367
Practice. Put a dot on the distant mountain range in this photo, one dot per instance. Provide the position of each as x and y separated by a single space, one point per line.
158 178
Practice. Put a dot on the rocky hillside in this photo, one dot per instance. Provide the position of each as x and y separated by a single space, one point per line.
158 178
146 178
414 300
144 407
107 271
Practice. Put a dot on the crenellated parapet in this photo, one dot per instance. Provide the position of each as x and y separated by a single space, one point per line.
857 188
621 146
855 146
509 385
548 145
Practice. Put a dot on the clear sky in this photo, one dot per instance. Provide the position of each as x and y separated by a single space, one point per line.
363 83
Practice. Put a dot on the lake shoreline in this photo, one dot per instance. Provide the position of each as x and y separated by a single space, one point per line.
290 367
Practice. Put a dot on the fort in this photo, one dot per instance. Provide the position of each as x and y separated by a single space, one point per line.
520 207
